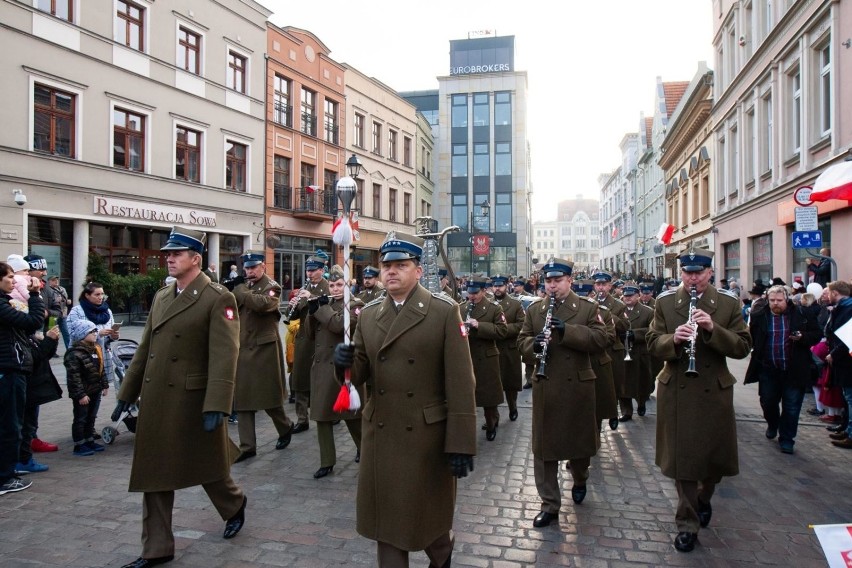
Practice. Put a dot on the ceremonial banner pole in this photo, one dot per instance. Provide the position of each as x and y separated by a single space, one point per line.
348 398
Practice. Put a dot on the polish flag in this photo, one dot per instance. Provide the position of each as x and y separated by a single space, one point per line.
836 542
615 232
311 188
664 235
834 183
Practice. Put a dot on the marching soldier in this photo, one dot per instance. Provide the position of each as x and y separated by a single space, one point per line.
372 287
646 294
510 357
526 300
485 324
445 285
563 425
603 285
326 317
606 403
696 426
419 425
300 379
260 368
184 371
638 382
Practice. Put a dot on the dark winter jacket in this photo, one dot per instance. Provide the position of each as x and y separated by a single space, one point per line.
42 386
15 328
85 367
799 357
822 271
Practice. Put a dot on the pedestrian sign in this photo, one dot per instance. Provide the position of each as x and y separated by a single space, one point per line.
807 239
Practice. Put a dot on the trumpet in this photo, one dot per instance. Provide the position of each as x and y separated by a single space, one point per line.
628 341
542 357
690 349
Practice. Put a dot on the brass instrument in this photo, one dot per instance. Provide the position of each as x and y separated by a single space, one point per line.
542 357
690 349
628 339
427 229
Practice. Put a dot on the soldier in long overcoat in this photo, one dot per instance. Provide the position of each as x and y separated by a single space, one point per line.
260 368
184 373
300 378
696 427
326 317
511 374
646 298
485 324
419 425
603 288
564 425
638 383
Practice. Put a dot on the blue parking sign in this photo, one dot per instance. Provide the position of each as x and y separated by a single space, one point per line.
807 239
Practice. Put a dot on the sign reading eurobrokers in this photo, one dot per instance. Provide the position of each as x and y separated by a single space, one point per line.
472 69
124 209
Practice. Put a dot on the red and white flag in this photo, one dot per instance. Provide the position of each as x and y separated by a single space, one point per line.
615 232
664 235
834 183
311 188
836 542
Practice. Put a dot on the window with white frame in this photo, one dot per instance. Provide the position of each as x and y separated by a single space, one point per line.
128 139
54 120
734 170
794 112
392 143
237 71
188 152
189 50
750 145
130 24
723 165
767 135
823 94
281 101
236 166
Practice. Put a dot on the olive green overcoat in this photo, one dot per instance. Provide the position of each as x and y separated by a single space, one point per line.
511 371
367 295
484 352
638 381
422 408
606 403
303 350
260 367
696 428
185 365
564 426
327 324
616 347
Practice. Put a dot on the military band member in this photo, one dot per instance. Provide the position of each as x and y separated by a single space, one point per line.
603 287
372 287
300 379
419 425
446 287
526 300
260 368
646 294
184 371
696 427
638 382
606 403
485 324
510 357
326 317
563 426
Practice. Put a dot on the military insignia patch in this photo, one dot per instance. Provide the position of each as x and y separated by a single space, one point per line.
229 313
272 293
503 318
463 329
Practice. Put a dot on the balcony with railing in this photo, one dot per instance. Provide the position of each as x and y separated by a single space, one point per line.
318 204
309 124
281 114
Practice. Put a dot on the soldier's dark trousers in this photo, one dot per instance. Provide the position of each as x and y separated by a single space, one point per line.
547 480
626 405
688 494
511 399
246 426
303 402
492 417
157 536
325 437
389 556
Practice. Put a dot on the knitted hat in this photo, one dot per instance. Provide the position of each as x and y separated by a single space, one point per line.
80 328
17 263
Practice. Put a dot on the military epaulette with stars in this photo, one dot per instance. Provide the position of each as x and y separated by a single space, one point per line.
375 302
666 293
727 292
218 287
443 297
273 283
592 301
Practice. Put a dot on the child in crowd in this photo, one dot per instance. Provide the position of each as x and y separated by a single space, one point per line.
84 362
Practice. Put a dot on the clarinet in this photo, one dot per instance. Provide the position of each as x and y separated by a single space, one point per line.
291 312
542 357
470 307
690 349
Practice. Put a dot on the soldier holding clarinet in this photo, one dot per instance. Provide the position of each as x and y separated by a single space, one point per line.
696 428
564 425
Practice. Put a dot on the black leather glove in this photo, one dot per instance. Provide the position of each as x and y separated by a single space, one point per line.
232 283
212 420
460 464
313 305
323 300
538 343
344 355
120 407
558 326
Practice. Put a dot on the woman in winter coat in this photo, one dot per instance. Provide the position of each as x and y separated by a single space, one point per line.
93 306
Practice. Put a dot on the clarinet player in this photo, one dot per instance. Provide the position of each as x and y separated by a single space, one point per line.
563 394
696 428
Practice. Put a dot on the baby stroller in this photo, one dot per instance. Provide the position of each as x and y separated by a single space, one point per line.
122 353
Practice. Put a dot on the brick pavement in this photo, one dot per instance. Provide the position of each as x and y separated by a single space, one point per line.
80 514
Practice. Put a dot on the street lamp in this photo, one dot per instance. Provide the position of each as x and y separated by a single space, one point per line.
353 166
479 243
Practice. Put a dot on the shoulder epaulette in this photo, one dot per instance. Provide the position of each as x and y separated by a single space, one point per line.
591 301
666 293
218 287
728 292
646 307
443 297
601 306
375 302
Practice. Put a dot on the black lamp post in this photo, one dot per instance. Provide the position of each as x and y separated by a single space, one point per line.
353 166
